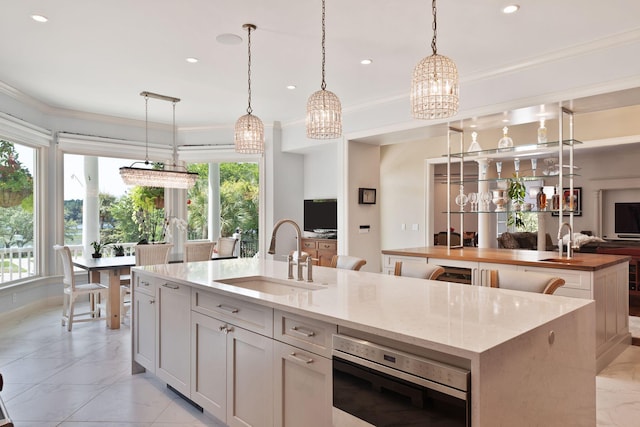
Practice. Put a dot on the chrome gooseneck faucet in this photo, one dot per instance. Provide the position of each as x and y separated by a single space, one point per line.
569 242
272 250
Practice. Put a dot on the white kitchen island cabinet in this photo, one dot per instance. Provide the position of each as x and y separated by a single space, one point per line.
530 356
602 278
143 323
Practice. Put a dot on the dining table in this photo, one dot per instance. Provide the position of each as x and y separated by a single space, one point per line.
107 271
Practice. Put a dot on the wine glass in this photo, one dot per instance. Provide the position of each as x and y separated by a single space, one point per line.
473 199
534 165
485 196
516 166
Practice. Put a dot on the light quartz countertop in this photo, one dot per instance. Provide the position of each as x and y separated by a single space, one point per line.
459 319
545 259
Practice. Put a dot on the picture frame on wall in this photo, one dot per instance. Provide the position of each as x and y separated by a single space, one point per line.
367 196
568 203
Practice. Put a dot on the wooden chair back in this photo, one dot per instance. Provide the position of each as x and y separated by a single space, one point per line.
347 262
525 281
418 270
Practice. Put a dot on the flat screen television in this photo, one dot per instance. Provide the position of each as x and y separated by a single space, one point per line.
627 219
320 215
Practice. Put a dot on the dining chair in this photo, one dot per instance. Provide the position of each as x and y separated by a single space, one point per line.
419 270
145 255
347 262
226 246
525 281
198 251
96 292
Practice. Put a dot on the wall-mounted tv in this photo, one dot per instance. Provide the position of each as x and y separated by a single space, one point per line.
627 219
320 215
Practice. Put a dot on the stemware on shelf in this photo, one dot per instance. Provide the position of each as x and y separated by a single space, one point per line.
461 199
485 197
473 201
499 169
516 166
534 165
475 146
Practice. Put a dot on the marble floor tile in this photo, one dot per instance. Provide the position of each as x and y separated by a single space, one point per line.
82 379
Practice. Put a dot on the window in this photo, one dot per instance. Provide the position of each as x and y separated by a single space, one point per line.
17 212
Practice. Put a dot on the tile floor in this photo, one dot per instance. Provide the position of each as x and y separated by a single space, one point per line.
56 378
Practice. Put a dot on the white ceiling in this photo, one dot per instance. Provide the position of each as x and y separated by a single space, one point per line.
97 56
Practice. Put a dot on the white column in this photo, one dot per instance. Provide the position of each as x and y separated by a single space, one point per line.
91 205
214 201
485 220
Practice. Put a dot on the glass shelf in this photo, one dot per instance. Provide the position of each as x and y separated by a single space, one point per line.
518 150
566 213
524 178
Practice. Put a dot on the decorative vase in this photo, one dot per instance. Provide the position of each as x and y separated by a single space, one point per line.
499 199
542 133
505 141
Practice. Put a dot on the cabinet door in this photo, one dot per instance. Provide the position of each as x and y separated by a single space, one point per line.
484 269
144 327
249 379
174 324
326 251
303 394
209 364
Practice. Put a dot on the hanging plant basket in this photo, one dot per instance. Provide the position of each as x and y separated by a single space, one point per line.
10 198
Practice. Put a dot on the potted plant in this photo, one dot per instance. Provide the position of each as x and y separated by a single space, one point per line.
97 249
16 182
516 191
118 250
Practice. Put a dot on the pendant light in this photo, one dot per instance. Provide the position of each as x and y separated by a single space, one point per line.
434 87
154 176
324 112
249 130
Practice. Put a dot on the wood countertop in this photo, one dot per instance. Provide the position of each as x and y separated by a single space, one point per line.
545 259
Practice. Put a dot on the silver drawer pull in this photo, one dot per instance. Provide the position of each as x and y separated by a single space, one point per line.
302 331
228 308
152 301
300 358
143 283
171 286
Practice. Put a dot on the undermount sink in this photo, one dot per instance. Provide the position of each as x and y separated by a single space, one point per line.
272 286
563 260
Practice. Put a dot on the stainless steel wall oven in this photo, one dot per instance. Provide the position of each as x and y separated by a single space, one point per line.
377 385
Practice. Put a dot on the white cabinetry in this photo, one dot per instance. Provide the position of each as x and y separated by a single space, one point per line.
173 345
231 375
144 323
302 371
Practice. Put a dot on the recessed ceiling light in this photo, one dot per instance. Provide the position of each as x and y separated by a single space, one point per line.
473 126
512 8
291 87
192 60
228 38
366 62
39 18
505 120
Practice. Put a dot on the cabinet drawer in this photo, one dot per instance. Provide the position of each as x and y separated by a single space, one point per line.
308 334
308 244
574 279
145 284
247 315
327 246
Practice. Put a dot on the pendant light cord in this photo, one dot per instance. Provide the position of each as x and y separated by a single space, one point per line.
434 26
175 149
249 109
146 129
323 85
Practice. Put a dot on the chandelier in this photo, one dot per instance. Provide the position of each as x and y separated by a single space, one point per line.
249 130
158 175
324 112
434 87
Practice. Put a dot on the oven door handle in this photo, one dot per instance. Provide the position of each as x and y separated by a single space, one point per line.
454 392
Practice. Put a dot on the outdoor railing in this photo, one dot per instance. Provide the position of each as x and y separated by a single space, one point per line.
19 263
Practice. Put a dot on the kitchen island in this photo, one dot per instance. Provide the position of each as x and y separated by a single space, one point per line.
531 356
600 277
